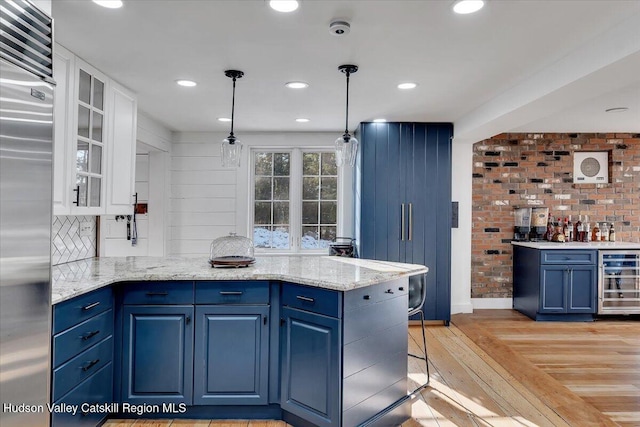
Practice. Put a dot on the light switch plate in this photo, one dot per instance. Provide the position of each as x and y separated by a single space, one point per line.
85 229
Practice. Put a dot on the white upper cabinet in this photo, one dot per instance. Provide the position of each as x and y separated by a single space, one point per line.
95 139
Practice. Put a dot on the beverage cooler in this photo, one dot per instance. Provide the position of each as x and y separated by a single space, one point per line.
619 282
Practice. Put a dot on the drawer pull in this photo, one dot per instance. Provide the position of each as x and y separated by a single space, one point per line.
388 291
90 306
90 335
157 294
231 293
90 365
306 299
367 297
401 288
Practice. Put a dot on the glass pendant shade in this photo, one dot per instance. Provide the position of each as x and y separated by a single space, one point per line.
231 151
346 150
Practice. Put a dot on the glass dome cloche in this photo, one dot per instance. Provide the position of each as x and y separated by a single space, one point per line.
231 251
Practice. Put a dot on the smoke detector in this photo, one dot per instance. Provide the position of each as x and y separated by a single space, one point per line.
339 28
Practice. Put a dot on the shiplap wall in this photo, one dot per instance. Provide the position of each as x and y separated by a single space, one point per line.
209 201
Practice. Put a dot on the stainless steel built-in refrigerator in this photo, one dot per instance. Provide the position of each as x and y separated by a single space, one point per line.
26 135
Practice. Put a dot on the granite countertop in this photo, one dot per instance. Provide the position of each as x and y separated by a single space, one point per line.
342 274
578 245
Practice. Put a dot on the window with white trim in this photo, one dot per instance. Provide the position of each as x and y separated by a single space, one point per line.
294 200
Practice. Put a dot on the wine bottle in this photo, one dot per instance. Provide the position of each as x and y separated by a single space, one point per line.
612 233
570 230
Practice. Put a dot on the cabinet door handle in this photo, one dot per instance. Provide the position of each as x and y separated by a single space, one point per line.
157 294
90 365
228 293
401 288
306 299
187 320
282 322
264 320
367 297
90 306
90 335
410 221
402 221
77 190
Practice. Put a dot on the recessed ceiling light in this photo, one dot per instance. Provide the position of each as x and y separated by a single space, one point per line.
464 7
616 110
111 4
379 120
407 85
224 119
297 85
186 83
283 5
301 120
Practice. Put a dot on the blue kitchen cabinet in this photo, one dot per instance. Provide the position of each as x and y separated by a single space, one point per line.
555 284
310 367
82 357
405 202
231 355
157 354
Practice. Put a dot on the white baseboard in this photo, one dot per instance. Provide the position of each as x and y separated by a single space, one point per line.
461 308
491 303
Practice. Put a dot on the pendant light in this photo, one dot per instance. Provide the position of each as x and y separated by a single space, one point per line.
231 146
346 145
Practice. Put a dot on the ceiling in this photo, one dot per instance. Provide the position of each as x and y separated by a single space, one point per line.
520 66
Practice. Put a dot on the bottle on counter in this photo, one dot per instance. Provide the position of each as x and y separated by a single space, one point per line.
587 232
595 233
578 232
604 232
612 233
550 229
570 230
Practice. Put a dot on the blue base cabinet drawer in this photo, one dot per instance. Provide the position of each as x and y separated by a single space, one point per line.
76 310
92 398
315 300
79 338
568 257
158 293
232 292
81 367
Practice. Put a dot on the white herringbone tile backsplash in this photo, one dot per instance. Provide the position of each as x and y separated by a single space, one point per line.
66 243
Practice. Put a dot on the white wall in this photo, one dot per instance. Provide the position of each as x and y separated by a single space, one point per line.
209 201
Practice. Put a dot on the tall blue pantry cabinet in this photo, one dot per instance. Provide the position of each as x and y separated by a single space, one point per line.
403 202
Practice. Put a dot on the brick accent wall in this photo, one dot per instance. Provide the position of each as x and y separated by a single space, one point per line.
527 170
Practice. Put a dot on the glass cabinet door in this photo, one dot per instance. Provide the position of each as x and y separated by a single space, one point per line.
90 139
619 284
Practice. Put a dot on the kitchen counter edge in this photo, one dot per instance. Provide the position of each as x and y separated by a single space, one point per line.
579 245
340 274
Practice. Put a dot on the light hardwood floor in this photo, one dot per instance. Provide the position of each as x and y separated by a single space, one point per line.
498 368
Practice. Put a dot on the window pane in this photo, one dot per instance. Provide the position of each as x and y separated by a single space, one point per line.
281 212
281 164
98 94
329 164
96 159
264 162
329 189
280 239
281 188
84 94
328 212
94 191
310 212
309 238
327 235
262 237
96 127
263 189
82 157
310 163
262 213
83 121
83 188
310 188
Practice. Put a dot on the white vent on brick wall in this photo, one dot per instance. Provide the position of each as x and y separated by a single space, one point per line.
591 167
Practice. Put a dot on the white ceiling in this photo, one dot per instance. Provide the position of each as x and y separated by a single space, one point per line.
514 66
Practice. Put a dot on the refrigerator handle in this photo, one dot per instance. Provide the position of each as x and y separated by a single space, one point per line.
410 221
402 221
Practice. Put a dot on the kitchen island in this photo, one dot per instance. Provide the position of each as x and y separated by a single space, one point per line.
571 281
311 340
